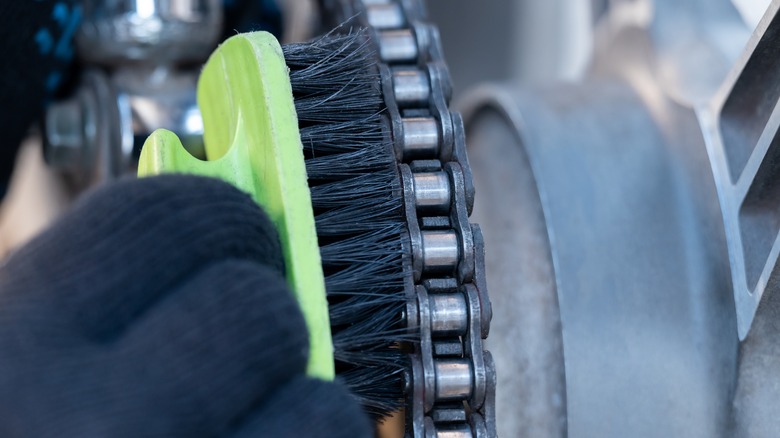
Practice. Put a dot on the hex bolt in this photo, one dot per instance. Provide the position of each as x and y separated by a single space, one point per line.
65 136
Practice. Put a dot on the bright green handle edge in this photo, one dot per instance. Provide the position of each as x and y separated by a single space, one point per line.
252 141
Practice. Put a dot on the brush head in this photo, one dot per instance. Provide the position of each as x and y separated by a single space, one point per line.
338 205
357 199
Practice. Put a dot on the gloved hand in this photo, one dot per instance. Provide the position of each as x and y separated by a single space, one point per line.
158 308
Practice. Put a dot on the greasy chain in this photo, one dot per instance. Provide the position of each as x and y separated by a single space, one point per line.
451 384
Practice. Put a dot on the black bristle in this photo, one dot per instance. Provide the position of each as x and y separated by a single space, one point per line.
356 196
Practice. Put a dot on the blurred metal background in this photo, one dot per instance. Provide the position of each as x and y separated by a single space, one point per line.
611 259
614 236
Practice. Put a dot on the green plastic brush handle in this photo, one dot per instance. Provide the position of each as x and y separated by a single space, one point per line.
252 141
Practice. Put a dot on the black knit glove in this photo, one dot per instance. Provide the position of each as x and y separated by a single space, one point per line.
157 308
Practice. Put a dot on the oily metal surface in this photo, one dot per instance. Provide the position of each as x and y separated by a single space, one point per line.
526 341
648 327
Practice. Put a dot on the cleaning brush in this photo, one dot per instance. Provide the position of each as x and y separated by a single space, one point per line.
351 176
356 197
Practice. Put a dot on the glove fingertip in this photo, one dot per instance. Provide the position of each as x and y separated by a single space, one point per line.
311 408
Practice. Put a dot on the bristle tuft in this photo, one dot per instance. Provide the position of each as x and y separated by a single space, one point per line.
355 190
